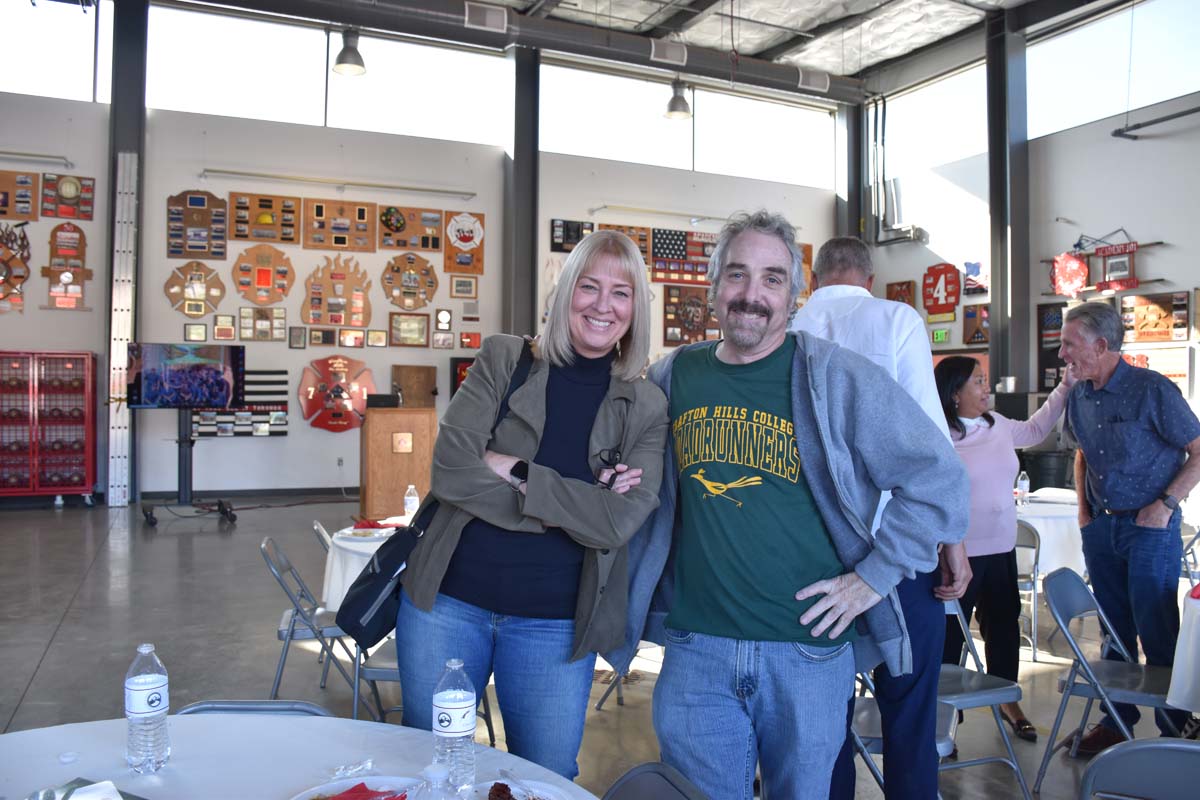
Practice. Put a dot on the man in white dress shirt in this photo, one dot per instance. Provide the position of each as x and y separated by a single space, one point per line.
893 335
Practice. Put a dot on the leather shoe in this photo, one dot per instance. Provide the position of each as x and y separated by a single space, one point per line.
1100 737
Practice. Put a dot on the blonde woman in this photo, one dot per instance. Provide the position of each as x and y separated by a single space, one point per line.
522 572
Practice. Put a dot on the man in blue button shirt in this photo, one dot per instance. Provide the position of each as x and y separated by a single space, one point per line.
1137 457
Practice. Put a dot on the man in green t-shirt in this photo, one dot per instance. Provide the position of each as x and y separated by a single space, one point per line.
779 446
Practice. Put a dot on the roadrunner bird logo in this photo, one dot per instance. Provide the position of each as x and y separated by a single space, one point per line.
717 489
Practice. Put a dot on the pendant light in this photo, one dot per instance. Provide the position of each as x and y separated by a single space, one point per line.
677 106
349 61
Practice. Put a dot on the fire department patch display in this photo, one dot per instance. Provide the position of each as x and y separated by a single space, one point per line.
566 233
1155 317
336 294
333 393
641 237
19 196
196 225
686 316
339 225
409 281
66 272
403 228
263 274
265 217
14 267
194 289
941 289
463 243
68 196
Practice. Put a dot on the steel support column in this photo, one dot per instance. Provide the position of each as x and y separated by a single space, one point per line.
1008 198
519 277
850 151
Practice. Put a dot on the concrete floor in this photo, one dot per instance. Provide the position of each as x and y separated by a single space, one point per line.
80 588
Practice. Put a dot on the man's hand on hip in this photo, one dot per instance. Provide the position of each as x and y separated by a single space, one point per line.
956 572
1155 515
845 597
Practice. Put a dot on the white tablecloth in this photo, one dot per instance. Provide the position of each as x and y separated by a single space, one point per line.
1185 674
1058 526
237 756
346 558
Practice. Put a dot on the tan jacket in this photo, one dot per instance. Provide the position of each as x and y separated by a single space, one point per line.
632 417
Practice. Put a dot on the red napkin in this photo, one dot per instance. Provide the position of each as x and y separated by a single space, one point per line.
361 792
369 523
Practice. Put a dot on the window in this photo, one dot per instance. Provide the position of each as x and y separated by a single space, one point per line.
941 123
50 48
235 67
433 92
758 139
1088 73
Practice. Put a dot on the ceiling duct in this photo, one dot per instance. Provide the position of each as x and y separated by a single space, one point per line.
444 19
482 17
814 82
665 52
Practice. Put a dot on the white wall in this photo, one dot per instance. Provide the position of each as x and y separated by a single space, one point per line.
78 131
178 147
571 185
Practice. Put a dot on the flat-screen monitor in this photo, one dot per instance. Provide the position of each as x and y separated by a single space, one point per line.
186 376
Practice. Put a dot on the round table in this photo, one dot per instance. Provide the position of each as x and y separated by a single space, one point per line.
1058 526
1184 691
237 755
347 556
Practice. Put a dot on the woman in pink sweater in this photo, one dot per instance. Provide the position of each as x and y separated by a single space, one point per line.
985 442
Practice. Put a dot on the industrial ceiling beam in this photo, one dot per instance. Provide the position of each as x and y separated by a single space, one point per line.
687 17
797 43
542 8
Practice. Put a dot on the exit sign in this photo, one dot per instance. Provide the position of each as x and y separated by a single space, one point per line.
941 335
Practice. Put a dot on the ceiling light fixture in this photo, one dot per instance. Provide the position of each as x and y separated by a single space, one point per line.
349 61
677 106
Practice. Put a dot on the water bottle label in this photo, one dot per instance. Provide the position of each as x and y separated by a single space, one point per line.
146 701
454 717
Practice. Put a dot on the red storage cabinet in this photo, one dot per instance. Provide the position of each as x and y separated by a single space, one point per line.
47 423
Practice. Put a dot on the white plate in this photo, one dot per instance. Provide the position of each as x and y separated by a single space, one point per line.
378 783
365 533
544 790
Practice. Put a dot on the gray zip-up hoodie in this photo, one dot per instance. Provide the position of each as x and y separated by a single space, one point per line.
871 436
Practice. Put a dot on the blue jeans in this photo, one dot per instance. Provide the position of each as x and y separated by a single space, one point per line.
1135 575
543 695
907 703
723 705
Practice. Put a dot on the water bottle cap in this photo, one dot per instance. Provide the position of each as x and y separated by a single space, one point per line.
145 649
454 663
412 486
436 772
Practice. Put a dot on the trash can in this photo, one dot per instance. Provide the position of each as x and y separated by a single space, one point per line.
1049 468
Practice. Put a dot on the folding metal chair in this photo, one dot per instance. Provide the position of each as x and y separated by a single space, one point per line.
618 679
1109 682
653 781
1191 560
866 731
965 688
305 619
1030 541
294 707
1153 769
322 535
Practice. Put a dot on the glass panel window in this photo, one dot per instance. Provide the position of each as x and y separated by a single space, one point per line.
48 49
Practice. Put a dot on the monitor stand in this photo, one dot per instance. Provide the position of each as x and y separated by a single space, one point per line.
186 444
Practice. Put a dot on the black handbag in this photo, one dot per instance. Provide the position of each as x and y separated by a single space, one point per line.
368 611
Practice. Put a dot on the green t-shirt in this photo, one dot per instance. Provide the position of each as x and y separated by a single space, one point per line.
751 535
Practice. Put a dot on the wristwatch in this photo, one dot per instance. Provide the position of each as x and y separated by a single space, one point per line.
1169 500
518 475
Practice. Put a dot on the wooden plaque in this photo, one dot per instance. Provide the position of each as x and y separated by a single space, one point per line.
263 274
19 196
336 293
686 316
194 289
68 196
333 393
196 225
463 249
641 237
417 385
417 229
67 271
903 292
262 324
14 267
975 324
340 225
409 281
265 217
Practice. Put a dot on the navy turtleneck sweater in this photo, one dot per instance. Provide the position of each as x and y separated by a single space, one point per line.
537 574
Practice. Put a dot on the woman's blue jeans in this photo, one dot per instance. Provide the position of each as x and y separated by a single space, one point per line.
543 695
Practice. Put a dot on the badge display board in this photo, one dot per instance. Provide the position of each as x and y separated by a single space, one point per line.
333 393
1155 317
67 270
68 196
680 256
566 233
262 324
410 229
339 225
686 316
975 324
941 289
263 274
903 292
463 243
195 289
641 237
196 225
409 281
1049 326
336 294
14 267
1173 363
265 217
19 196
265 416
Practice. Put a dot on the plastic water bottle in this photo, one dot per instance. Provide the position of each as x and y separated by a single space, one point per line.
412 501
437 784
147 699
454 725
1023 488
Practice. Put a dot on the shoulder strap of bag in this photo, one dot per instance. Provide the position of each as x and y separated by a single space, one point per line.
520 373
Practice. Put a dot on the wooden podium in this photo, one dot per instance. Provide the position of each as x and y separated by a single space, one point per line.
396 450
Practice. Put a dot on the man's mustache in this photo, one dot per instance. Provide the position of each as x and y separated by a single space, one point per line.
746 307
